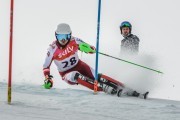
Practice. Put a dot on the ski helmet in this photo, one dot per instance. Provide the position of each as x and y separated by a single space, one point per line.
63 31
126 24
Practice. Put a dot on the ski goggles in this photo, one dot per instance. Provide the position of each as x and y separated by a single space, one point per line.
125 24
63 36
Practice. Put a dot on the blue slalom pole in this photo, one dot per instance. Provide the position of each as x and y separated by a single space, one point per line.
97 47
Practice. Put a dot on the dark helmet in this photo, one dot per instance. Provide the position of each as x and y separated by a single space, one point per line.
126 24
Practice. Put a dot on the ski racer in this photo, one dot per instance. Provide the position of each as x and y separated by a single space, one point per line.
64 52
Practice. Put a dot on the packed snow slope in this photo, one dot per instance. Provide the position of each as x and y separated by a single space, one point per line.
32 102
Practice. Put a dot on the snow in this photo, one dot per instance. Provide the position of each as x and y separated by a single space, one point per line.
153 22
34 102
157 25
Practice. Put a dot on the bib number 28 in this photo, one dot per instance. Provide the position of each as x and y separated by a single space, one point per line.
72 61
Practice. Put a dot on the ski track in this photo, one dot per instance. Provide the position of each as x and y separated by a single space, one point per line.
34 102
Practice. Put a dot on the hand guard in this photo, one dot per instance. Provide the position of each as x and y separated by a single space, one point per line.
84 47
93 49
48 82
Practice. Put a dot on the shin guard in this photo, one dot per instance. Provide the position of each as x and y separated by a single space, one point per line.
85 81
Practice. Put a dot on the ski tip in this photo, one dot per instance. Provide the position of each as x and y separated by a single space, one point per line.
145 95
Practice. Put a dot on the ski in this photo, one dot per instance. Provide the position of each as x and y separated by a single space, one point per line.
109 86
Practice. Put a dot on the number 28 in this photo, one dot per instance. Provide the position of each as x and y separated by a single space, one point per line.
72 61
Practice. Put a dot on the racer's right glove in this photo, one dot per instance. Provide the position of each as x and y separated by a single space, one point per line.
48 82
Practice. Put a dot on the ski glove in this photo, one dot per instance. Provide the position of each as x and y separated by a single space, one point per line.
48 82
84 47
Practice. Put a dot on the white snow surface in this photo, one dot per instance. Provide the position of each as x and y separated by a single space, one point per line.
32 102
157 25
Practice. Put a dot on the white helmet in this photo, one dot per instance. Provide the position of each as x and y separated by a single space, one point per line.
63 28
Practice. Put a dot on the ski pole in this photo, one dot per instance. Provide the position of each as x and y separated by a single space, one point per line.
131 63
87 48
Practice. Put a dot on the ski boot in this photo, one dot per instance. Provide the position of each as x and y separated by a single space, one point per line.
105 83
85 81
136 94
110 85
145 95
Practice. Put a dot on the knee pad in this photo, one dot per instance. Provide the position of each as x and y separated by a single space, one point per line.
70 77
103 79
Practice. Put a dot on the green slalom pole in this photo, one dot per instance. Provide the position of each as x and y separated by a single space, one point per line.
84 47
132 63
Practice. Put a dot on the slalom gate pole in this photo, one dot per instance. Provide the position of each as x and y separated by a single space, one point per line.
10 50
97 48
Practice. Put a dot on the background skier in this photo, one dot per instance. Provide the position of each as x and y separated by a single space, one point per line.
130 43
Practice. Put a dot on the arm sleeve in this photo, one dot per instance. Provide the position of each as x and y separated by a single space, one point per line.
122 45
78 40
48 61
136 43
